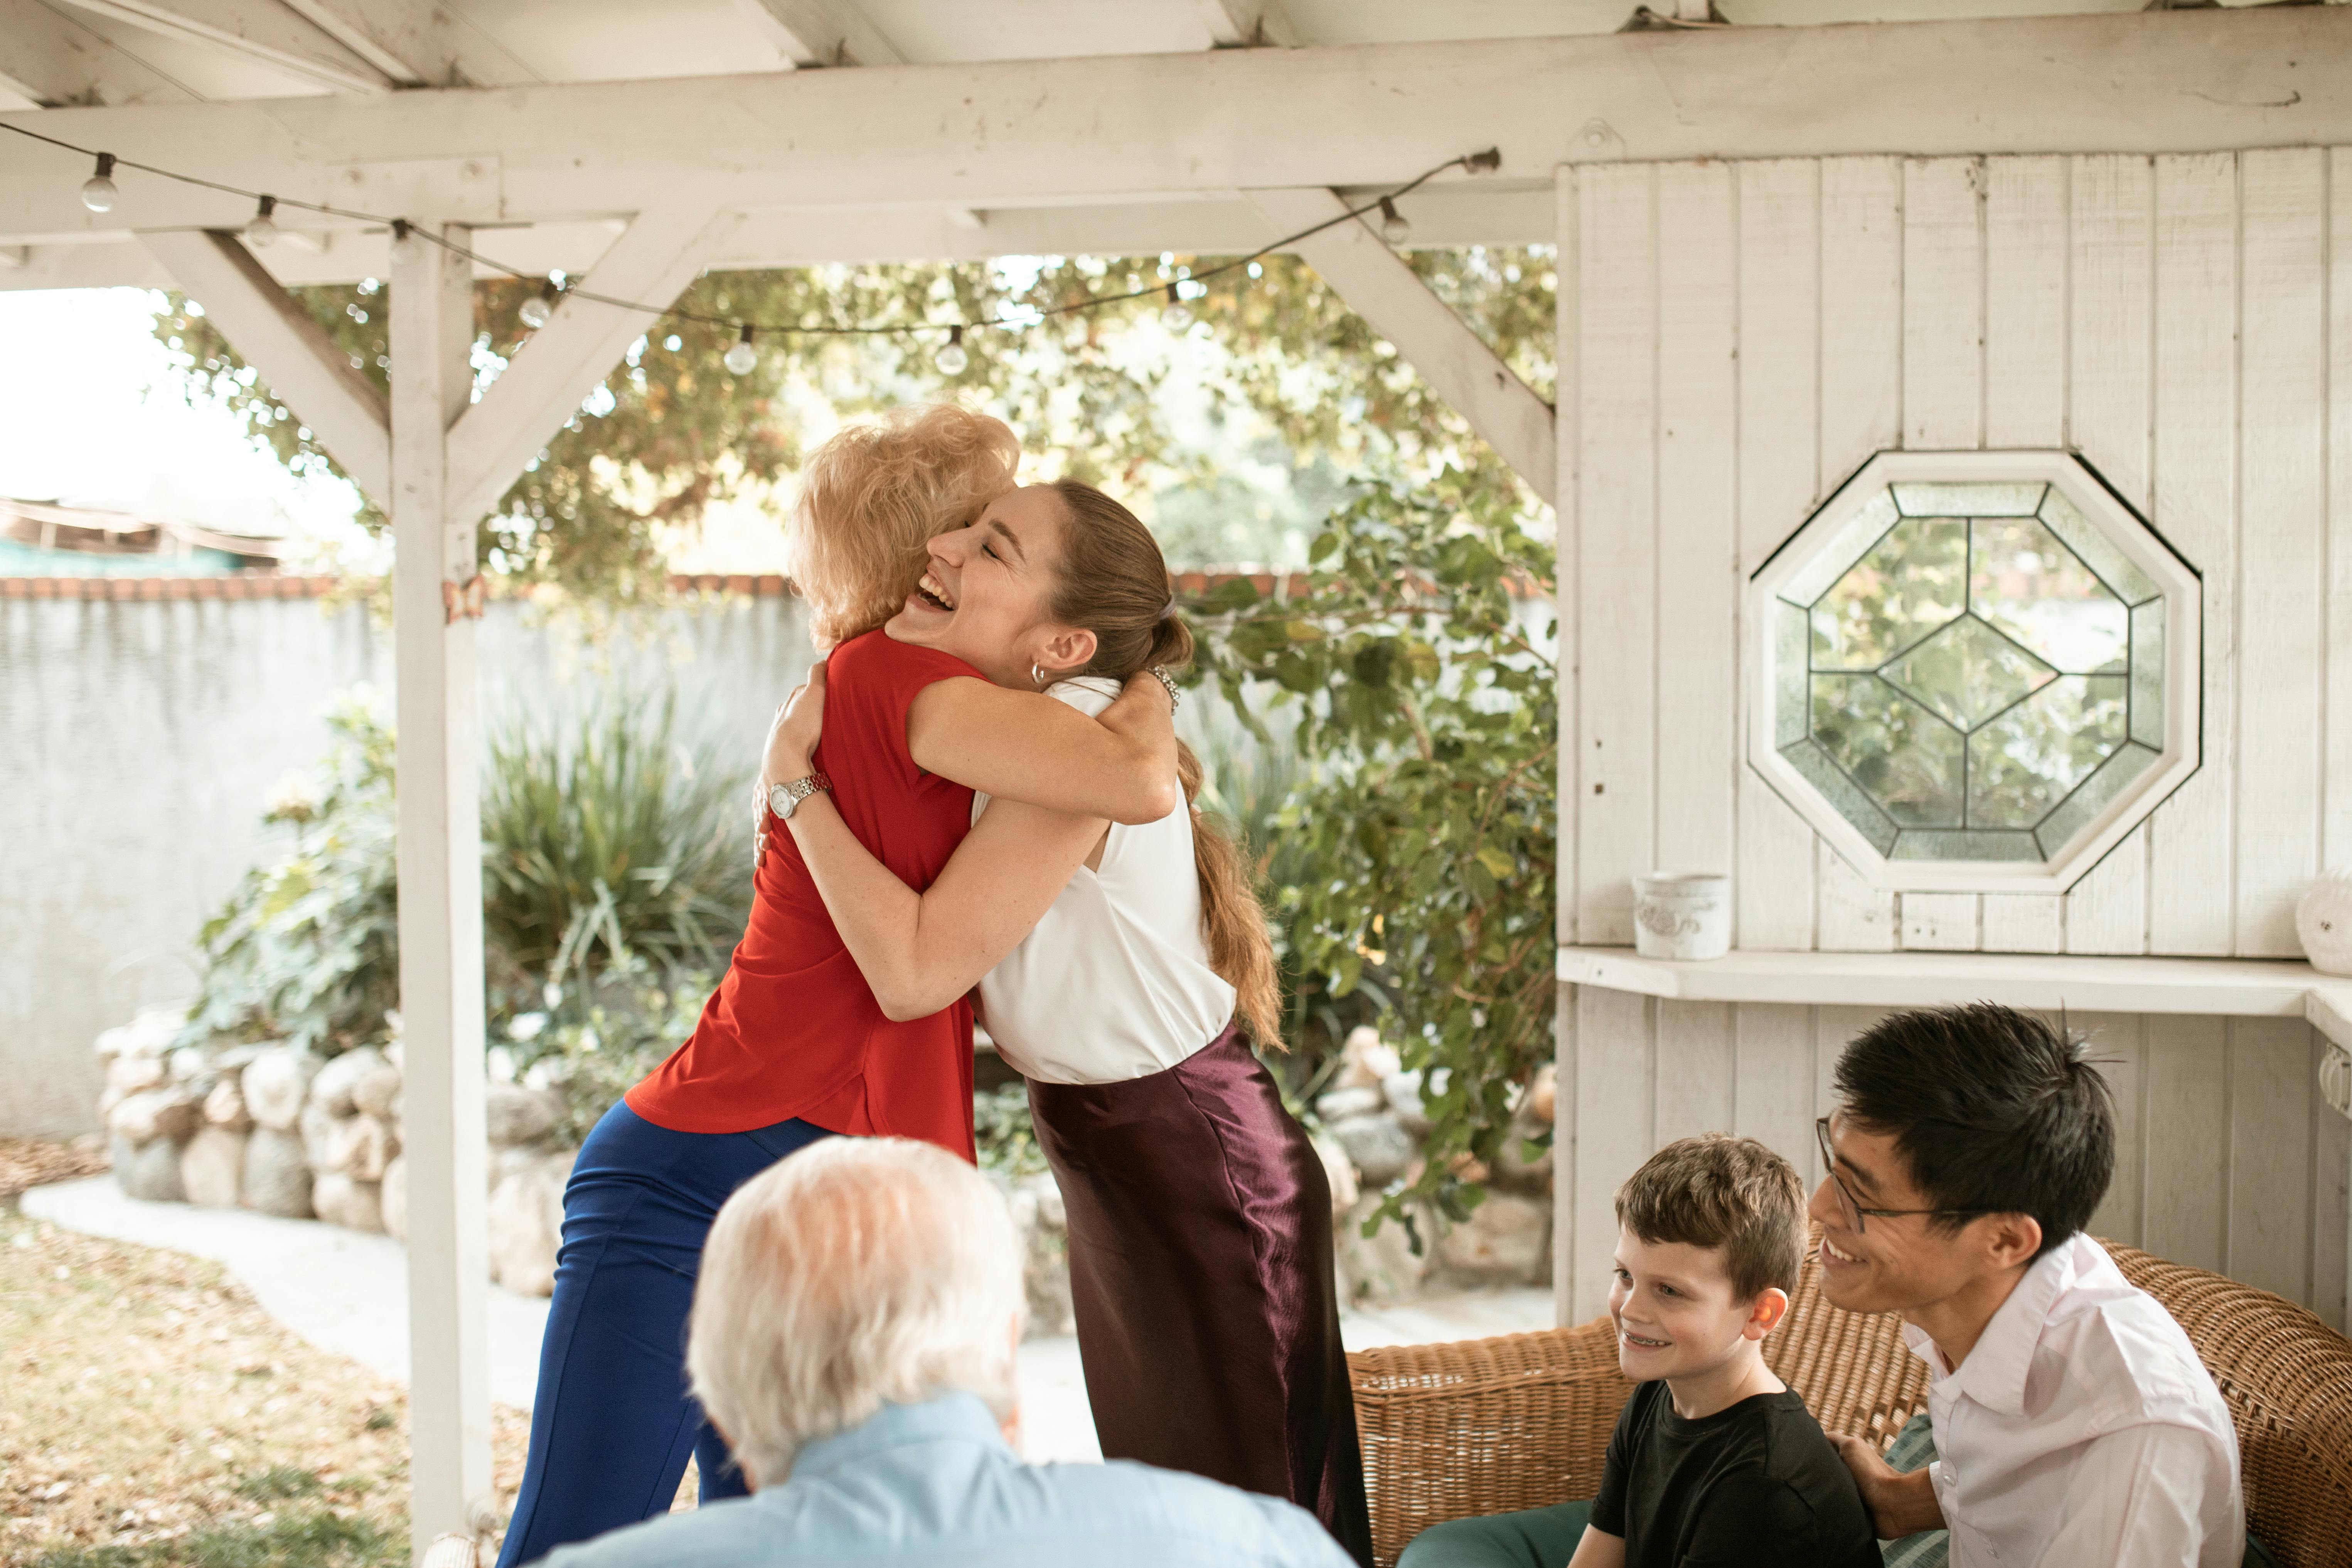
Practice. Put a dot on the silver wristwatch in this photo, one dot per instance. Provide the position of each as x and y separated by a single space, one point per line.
784 798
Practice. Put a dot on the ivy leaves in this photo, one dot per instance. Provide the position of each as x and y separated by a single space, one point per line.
1416 663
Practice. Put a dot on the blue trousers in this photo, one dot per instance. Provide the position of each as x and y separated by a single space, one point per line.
614 1421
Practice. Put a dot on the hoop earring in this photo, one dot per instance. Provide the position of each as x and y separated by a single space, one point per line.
1037 674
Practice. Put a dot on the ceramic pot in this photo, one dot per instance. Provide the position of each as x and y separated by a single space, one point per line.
2323 921
1682 915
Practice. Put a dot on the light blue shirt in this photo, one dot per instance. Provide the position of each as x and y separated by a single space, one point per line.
937 1483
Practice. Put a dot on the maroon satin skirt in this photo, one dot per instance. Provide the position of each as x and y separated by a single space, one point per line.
1200 1225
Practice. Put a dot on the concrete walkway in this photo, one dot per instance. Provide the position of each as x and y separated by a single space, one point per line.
348 1292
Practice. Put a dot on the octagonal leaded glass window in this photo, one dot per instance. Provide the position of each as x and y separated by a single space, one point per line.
1976 668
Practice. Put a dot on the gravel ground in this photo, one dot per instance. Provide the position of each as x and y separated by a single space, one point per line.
35 1161
152 1414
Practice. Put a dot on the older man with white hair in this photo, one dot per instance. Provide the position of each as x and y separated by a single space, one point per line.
854 1338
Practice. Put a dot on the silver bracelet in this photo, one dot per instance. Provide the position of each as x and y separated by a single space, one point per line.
1175 697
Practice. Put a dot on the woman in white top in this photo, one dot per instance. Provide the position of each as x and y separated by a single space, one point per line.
1124 971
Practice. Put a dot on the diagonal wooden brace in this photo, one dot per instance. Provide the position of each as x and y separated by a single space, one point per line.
1434 340
286 344
494 440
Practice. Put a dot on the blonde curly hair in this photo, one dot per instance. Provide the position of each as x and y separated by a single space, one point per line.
873 494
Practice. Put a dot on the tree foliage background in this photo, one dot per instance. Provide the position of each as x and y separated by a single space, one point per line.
1398 789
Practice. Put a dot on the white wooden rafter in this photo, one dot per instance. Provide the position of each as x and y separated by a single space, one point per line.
658 255
816 33
407 40
1428 333
1247 23
302 365
262 31
50 57
1177 126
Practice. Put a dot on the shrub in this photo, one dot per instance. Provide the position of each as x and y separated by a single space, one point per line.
1417 850
612 844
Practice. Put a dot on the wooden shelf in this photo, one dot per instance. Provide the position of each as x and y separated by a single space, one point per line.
2238 986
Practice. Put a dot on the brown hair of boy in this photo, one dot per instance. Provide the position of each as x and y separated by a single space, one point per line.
1717 1191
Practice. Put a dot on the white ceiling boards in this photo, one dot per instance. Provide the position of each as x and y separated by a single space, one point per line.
1974 671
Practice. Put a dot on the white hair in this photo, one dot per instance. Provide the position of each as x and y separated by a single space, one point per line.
858 1273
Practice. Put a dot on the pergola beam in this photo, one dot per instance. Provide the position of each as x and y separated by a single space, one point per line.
50 58
654 259
302 365
1427 332
811 33
262 31
1080 131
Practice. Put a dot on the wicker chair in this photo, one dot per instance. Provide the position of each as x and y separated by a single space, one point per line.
1522 1421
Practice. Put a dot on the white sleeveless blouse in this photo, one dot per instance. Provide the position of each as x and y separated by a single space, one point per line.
1114 982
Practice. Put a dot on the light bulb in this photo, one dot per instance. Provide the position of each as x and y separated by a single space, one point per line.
535 311
1393 228
742 359
1175 315
953 358
97 192
263 228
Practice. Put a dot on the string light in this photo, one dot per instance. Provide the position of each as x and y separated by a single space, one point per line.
742 359
97 192
536 311
953 358
100 194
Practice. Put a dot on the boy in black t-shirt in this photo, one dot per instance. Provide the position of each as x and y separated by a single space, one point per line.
1713 1461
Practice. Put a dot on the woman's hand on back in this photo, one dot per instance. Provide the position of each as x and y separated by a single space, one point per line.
793 737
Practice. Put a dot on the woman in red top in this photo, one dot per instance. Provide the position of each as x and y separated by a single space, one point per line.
793 1046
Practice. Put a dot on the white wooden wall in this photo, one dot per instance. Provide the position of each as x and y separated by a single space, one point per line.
1735 340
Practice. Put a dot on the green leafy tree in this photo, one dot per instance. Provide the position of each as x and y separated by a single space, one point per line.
1415 669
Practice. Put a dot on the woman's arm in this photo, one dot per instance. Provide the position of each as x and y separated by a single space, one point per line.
919 951
1025 746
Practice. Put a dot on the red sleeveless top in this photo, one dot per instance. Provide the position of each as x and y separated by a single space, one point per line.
793 1030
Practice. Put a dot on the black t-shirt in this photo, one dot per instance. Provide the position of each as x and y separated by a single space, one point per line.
1756 1485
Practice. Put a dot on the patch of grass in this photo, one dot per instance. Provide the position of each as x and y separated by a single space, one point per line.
280 1482
315 1539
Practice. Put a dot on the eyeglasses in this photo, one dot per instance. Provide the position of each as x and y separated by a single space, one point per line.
1852 1207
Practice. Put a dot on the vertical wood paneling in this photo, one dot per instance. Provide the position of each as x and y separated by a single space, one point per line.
1943 395
1613 1105
2025 405
1862 313
1697 582
1617 309
2336 797
1567 318
1779 350
2109 381
1940 922
1855 915
2271 1087
1697 1071
2024 922
2187 1110
2190 844
2331 1203
2119 1049
2282 524
1775 1053
1943 303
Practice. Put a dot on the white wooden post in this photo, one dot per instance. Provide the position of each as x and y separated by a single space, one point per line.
440 900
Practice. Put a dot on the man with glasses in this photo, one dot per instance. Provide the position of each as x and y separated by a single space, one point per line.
2074 1423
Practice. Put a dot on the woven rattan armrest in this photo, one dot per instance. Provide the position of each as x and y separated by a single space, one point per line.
1483 1426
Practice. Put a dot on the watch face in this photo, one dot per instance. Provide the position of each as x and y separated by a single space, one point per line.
780 799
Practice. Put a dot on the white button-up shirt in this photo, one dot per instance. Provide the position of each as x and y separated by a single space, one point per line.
2081 1431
